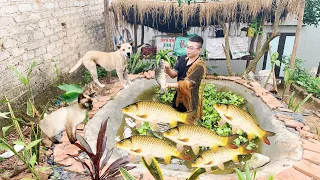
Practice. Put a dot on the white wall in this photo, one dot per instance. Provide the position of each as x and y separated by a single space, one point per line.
308 46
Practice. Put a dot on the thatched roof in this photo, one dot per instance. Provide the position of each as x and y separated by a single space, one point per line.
152 12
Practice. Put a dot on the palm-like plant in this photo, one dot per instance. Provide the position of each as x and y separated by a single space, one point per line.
96 166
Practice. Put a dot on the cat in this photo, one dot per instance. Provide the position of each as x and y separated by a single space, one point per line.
65 118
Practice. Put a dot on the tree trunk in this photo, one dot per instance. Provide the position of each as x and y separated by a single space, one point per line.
107 29
265 46
226 48
259 42
295 45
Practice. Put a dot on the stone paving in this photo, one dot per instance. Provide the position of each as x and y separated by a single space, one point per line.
307 168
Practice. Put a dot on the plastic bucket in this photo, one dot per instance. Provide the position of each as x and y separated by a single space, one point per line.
263 76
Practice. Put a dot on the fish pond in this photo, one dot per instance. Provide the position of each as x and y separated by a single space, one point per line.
210 119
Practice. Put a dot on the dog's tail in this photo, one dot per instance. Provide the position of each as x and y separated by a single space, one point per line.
76 66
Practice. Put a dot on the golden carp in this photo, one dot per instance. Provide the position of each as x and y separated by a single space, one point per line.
210 158
156 112
195 136
148 147
240 119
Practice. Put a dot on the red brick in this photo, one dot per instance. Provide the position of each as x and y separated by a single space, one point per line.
283 116
294 124
73 166
147 75
311 147
306 128
133 76
307 134
311 156
234 78
308 168
81 126
104 98
291 174
208 76
285 110
260 90
151 73
99 104
241 81
255 84
61 150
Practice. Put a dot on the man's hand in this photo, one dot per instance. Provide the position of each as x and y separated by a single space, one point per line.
166 65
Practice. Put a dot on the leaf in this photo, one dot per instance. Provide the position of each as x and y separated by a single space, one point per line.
106 158
240 175
5 129
18 142
126 175
84 144
32 66
196 173
4 115
85 166
70 97
153 168
101 142
270 178
45 168
277 62
33 160
71 88
301 103
247 172
30 108
33 143
115 165
4 147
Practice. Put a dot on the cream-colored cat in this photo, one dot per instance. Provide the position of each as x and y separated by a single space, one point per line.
66 118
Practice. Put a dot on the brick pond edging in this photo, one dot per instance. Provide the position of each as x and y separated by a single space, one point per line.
307 168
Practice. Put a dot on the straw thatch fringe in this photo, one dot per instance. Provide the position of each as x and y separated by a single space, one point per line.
227 10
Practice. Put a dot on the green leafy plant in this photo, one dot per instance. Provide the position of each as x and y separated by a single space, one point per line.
136 64
143 130
27 157
249 175
101 73
97 164
165 97
31 110
155 170
301 77
312 12
72 92
256 25
165 55
292 102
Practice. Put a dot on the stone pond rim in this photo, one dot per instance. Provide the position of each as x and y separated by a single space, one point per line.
284 151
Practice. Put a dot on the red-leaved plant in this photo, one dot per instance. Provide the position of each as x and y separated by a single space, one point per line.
96 165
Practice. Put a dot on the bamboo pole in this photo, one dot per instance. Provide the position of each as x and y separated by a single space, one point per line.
295 45
107 29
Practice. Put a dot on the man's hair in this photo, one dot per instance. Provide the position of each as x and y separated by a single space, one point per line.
197 39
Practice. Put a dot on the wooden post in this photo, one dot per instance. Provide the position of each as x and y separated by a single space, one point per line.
295 45
135 28
142 34
107 29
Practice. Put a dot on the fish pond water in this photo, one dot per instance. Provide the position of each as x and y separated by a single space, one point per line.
127 129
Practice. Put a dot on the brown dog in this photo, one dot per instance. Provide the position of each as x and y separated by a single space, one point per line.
117 60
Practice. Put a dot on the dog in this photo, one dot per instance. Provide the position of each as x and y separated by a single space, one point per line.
117 60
